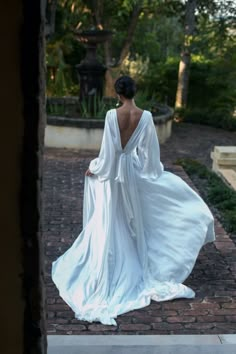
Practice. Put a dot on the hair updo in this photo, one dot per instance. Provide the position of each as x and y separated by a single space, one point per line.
125 86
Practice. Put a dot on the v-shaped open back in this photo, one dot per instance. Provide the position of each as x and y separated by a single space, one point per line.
133 132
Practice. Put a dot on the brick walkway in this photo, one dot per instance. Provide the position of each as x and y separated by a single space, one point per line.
213 311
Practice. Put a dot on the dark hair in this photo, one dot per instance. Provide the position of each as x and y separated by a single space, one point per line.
125 86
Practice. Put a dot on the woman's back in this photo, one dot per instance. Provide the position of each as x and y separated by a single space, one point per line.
128 120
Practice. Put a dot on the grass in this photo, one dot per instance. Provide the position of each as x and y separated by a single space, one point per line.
214 191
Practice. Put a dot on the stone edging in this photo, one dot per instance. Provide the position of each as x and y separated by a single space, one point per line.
75 122
98 123
142 340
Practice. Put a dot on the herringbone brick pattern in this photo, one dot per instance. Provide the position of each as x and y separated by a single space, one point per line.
213 311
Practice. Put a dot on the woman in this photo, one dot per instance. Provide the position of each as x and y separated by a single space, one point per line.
143 227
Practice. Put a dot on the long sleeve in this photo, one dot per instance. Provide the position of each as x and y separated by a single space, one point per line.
102 166
149 152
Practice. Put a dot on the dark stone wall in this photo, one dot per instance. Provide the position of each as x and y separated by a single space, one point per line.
21 145
33 90
11 131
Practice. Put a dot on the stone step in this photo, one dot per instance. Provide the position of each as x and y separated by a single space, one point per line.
216 167
224 157
229 176
224 161
225 152
142 344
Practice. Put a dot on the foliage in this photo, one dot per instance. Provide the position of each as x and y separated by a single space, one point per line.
162 40
217 118
212 98
56 110
212 90
216 27
60 79
153 56
161 80
95 107
214 190
144 100
158 21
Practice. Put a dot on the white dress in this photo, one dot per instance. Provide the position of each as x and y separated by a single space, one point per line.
143 228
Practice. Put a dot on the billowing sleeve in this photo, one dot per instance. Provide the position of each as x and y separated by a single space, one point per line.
149 152
103 165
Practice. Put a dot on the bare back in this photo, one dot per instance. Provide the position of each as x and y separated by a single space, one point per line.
128 120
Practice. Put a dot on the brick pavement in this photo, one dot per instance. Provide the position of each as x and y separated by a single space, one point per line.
213 311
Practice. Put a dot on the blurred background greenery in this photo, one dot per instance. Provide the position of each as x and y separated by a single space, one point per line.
148 38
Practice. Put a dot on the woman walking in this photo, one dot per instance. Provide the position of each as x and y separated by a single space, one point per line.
143 227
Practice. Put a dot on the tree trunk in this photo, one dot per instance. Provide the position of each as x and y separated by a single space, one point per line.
113 72
98 7
130 34
184 65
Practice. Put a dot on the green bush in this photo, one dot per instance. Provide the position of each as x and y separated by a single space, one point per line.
161 81
212 90
218 118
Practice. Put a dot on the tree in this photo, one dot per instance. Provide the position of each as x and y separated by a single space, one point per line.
184 65
210 33
147 38
114 71
124 17
120 15
105 15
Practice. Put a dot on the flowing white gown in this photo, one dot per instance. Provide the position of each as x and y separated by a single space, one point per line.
143 228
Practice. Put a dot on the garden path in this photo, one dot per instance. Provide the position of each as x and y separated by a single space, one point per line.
213 311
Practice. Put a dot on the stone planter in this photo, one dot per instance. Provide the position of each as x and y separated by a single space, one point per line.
86 134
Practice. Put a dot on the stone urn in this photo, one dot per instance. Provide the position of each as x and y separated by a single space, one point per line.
91 72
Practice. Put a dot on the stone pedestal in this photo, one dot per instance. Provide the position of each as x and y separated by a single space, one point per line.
91 78
224 163
91 72
224 157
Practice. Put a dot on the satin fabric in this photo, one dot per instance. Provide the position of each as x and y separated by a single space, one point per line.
143 228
